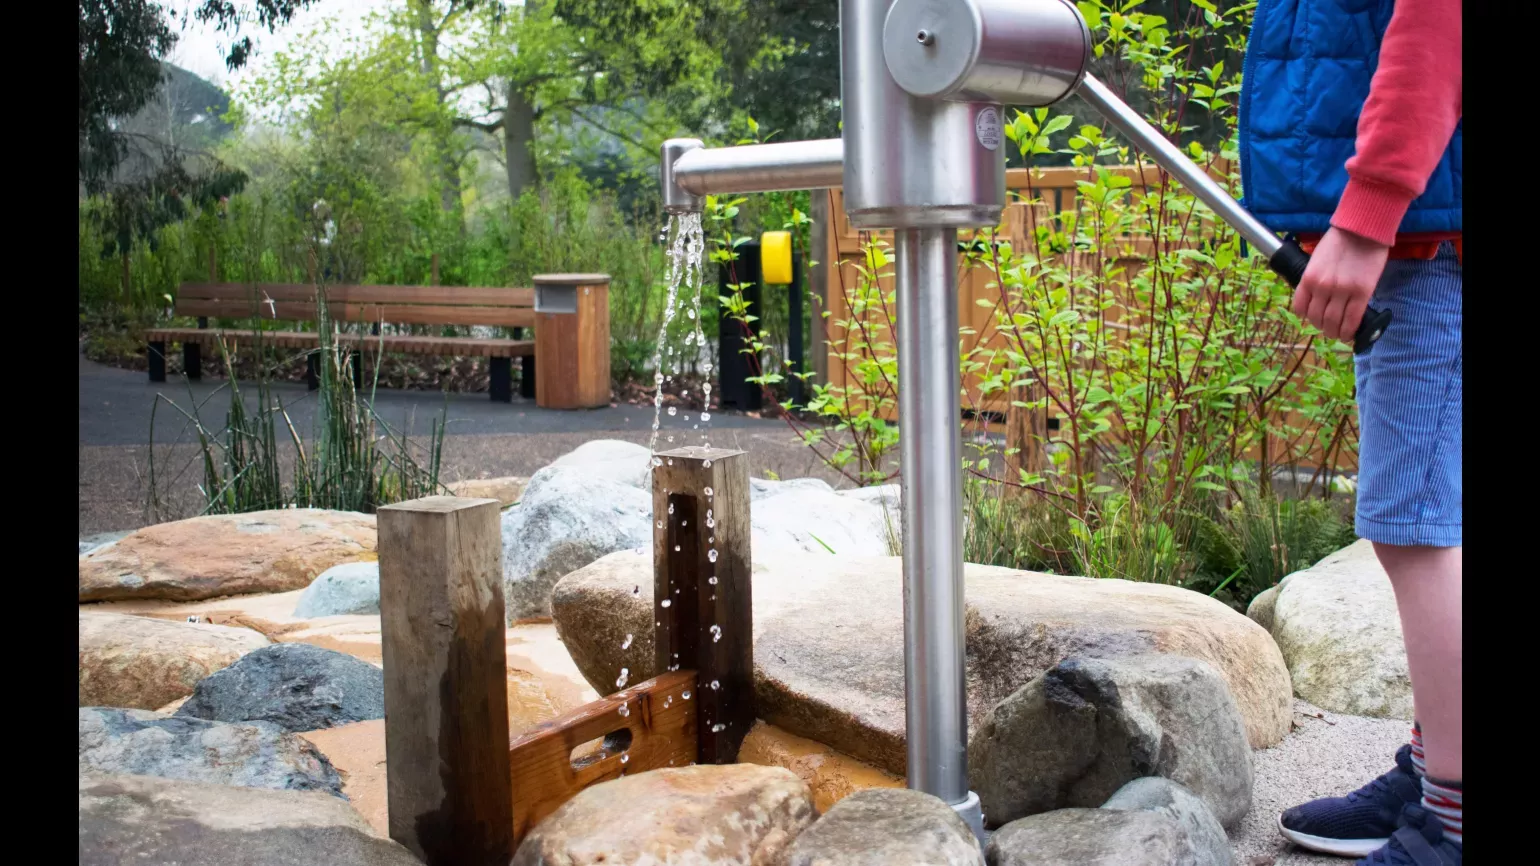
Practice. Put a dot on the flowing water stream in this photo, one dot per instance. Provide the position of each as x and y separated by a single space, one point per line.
681 339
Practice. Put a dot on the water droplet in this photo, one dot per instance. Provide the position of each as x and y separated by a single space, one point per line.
670 506
660 524
626 644
625 758
711 555
714 684
706 416
716 633
707 463
684 523
667 602
657 461
713 581
711 523
625 710
625 674
711 540
668 702
686 695
718 728
671 460
676 548
710 492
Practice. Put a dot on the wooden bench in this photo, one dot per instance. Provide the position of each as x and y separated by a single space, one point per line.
376 305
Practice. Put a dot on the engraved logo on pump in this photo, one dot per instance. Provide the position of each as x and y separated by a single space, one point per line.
986 126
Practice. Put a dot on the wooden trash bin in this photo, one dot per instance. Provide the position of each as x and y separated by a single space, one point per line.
572 341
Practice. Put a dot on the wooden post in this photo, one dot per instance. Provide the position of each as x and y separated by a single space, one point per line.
448 783
701 598
1025 431
572 341
825 257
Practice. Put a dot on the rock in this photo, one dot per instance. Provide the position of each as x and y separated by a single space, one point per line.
1337 626
89 543
506 491
568 518
1078 733
828 634
831 776
1165 797
140 819
143 663
296 686
1092 837
764 488
255 755
612 459
887 827
819 522
351 588
1261 608
711 815
226 554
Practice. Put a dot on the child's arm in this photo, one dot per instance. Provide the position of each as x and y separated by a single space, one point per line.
1414 103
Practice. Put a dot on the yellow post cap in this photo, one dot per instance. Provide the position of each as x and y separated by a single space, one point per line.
775 258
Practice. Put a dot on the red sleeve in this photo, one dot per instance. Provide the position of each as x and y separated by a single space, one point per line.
1413 106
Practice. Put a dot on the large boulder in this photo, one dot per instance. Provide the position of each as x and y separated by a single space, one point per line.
255 755
1075 735
808 520
1260 610
98 540
348 589
1340 634
704 815
141 819
144 663
828 640
611 459
1093 837
296 686
1165 797
764 488
887 827
226 554
569 517
506 490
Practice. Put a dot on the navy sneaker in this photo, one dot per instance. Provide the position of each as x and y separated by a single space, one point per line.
1419 842
1360 823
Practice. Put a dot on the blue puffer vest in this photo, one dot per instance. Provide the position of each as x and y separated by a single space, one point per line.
1307 72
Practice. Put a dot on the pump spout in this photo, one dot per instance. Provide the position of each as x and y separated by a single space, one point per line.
690 171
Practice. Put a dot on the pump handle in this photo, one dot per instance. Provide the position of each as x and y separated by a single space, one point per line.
1290 262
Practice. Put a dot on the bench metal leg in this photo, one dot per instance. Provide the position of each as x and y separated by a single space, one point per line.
313 369
502 380
357 362
192 360
527 377
157 359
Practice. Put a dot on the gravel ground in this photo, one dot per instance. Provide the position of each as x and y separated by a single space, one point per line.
1326 755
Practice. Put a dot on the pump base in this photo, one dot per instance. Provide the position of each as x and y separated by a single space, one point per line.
972 814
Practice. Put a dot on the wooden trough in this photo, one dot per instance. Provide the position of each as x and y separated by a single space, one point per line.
458 790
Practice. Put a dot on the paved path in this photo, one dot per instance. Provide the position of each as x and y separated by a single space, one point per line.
115 408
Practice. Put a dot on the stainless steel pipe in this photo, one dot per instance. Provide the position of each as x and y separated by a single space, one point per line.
929 406
1150 140
790 165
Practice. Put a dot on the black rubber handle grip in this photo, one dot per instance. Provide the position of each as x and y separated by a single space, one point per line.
1290 262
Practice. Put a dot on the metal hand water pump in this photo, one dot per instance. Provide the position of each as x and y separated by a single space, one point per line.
922 85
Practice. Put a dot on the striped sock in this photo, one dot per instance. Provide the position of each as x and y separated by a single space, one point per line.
1445 800
1417 758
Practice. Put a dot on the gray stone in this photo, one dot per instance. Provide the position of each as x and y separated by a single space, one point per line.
569 517
807 520
141 819
250 755
99 540
350 588
702 815
296 686
887 827
611 459
1165 797
764 488
829 641
1092 837
1340 633
1261 608
1075 735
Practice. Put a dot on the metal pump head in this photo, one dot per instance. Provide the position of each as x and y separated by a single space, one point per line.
676 200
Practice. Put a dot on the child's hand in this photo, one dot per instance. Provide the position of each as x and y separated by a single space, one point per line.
1338 283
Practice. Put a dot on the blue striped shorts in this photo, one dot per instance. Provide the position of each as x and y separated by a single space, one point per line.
1409 408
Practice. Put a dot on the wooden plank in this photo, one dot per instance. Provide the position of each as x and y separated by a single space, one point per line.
446 688
297 311
405 344
440 295
657 716
702 601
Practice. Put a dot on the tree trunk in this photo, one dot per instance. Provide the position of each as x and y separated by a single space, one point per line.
519 142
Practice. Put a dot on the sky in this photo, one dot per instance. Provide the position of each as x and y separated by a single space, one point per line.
201 50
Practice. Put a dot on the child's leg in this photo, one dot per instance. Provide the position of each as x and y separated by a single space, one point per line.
1428 582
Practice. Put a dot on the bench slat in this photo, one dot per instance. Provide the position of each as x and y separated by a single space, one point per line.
491 296
513 317
406 344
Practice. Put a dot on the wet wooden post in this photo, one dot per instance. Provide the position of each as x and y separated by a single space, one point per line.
448 783
701 593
